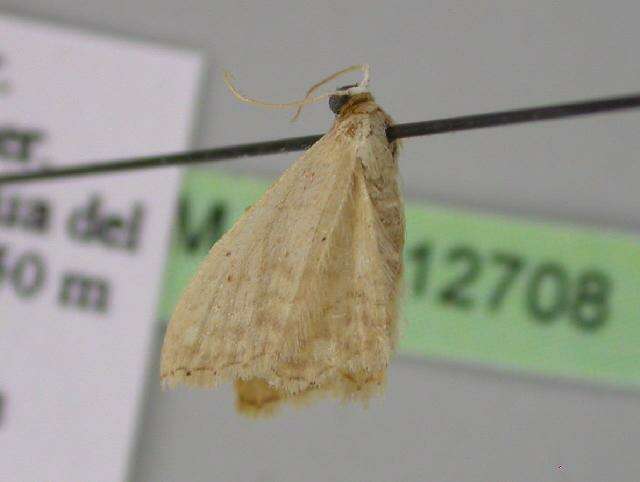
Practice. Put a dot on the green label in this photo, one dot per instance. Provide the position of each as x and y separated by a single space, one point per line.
546 298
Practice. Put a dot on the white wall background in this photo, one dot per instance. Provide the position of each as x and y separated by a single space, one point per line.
438 422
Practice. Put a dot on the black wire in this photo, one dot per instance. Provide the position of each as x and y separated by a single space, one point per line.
397 131
517 116
178 159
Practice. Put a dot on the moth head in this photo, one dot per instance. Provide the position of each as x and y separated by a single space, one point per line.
345 95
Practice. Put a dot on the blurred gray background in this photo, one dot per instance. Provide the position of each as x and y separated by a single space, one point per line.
438 421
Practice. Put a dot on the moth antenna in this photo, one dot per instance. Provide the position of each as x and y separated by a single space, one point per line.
308 99
361 87
228 77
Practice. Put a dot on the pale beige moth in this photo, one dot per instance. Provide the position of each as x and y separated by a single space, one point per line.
300 296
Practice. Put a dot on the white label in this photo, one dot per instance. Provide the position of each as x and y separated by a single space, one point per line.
81 259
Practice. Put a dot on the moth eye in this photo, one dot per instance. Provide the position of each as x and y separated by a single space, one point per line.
336 102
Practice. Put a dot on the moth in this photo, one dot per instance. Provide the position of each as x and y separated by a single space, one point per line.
300 297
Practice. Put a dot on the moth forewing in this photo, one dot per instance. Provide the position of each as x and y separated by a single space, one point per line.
300 296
